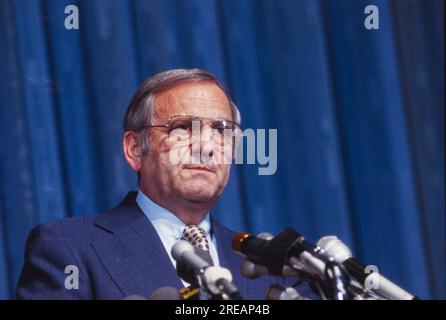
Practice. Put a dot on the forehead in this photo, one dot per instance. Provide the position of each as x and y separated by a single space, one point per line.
203 99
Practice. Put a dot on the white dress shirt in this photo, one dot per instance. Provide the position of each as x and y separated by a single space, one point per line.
170 228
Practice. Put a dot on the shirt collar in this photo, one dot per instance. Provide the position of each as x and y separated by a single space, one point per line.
161 216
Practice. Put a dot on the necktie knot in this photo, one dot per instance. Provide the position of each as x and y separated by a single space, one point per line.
196 236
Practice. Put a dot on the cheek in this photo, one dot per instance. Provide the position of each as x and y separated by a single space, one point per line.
223 154
179 154
159 167
223 172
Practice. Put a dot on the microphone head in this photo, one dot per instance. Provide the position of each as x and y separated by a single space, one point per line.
265 236
238 239
179 248
165 293
278 292
186 272
335 248
247 269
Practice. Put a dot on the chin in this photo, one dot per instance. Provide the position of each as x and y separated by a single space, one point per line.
199 192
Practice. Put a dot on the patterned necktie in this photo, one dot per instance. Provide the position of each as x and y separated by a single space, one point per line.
196 236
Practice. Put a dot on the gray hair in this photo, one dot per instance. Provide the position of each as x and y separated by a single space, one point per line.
141 108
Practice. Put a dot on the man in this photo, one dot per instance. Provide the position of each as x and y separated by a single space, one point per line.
127 251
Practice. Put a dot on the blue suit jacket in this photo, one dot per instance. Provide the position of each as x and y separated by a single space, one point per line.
118 253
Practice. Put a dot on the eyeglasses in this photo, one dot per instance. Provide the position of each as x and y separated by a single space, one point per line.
183 124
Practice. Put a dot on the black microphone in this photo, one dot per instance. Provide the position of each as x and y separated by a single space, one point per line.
251 270
248 245
371 280
288 248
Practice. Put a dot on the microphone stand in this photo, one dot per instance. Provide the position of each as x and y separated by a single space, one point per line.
335 273
339 280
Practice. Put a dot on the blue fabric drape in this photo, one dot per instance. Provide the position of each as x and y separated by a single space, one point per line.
359 114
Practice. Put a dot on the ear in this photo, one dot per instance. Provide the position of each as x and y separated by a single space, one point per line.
132 150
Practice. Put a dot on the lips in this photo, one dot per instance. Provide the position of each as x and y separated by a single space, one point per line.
199 167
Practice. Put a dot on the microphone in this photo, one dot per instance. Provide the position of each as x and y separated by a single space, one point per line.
288 248
186 272
265 236
342 254
277 292
251 270
184 252
215 280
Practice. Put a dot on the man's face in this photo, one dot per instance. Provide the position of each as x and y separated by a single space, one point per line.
191 182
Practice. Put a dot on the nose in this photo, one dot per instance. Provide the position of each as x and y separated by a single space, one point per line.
206 133
206 141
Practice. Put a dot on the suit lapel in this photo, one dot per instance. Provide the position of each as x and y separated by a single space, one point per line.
133 253
135 258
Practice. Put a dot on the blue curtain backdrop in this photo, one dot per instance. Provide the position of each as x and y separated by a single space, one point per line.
359 113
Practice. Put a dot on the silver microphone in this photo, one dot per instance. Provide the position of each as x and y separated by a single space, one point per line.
335 248
278 292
